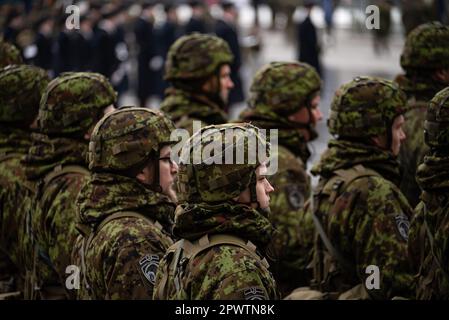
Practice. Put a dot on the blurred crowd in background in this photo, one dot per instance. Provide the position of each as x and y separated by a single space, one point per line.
127 41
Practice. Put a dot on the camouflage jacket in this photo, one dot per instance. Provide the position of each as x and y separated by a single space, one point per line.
183 108
428 245
292 240
419 93
223 271
122 256
58 167
366 219
15 194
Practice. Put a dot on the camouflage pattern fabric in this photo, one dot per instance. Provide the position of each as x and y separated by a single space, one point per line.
59 115
419 91
356 105
122 258
196 56
15 194
70 106
293 238
222 272
426 48
367 223
184 107
208 208
54 208
428 245
429 257
9 54
22 87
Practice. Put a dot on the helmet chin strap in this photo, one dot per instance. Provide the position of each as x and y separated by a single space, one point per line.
156 184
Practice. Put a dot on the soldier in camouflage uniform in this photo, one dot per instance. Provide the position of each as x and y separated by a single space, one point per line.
360 215
126 209
428 242
69 109
21 87
9 54
285 96
425 59
222 221
198 68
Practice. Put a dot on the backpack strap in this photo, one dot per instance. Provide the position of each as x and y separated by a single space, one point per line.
334 187
184 251
90 233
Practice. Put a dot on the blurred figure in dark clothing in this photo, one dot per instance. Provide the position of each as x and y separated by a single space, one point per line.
81 44
167 34
226 28
197 22
44 42
417 12
13 24
62 49
308 46
145 39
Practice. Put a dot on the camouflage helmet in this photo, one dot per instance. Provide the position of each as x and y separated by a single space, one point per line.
127 138
212 179
196 56
21 88
284 87
366 107
426 47
9 54
436 126
74 102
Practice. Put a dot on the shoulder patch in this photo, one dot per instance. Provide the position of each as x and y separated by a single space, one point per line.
295 196
148 266
403 225
254 293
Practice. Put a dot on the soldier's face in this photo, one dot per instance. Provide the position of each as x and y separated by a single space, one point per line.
167 172
226 83
397 134
263 187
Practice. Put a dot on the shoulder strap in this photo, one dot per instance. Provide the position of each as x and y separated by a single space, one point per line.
89 234
184 251
61 170
333 188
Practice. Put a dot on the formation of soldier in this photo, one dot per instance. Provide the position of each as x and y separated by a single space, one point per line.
88 186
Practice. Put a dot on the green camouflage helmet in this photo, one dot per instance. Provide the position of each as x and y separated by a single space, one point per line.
196 56
211 179
284 87
436 126
366 107
426 47
21 88
74 102
9 54
127 138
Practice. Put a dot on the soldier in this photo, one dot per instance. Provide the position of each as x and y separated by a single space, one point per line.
285 96
360 215
222 222
69 109
21 87
428 244
126 209
425 59
198 67
9 54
